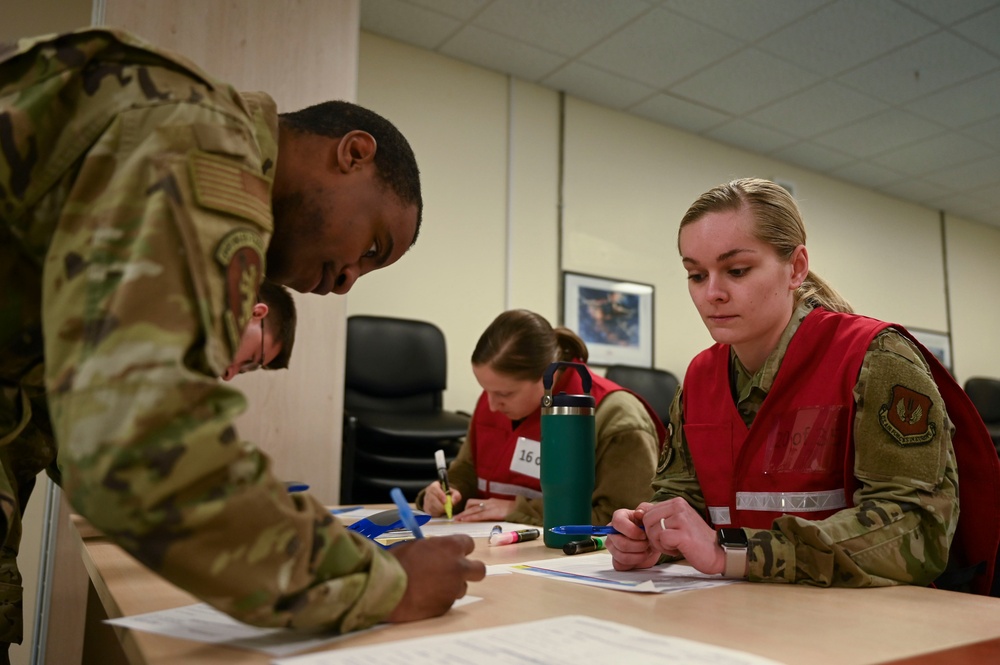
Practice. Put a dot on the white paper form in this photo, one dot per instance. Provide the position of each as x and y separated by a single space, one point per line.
565 640
596 570
203 623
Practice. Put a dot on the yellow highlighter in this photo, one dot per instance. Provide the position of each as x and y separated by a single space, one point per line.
443 477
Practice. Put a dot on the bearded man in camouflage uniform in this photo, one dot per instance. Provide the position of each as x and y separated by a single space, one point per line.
141 203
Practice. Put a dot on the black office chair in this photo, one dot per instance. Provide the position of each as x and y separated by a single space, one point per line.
656 386
985 396
393 421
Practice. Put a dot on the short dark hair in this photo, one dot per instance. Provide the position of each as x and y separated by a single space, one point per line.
522 344
280 319
395 162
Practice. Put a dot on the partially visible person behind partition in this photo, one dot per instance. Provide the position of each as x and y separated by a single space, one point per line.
495 475
809 444
270 334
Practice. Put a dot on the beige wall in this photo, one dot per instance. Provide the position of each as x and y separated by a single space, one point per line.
487 150
489 240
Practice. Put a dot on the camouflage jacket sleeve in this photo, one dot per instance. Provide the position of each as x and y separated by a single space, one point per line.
148 277
906 509
625 459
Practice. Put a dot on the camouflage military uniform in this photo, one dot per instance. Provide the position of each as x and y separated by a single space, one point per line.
135 209
880 541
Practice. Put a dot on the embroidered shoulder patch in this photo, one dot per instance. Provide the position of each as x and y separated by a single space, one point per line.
906 417
241 255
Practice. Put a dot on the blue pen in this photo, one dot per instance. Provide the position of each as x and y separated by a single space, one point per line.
405 514
584 530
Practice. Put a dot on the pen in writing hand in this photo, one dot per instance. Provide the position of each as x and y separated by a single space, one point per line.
405 513
443 475
512 537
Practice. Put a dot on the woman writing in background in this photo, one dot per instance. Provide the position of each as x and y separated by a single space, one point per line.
820 443
496 475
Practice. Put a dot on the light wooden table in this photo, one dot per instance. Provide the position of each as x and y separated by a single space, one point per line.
791 624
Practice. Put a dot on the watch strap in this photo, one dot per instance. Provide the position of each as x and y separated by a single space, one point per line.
736 562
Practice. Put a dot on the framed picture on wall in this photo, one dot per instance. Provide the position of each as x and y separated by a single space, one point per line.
614 317
937 343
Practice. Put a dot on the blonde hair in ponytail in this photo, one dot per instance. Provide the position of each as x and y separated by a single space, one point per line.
777 223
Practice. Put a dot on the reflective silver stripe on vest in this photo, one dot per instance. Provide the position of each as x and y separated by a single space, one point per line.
719 515
506 488
791 502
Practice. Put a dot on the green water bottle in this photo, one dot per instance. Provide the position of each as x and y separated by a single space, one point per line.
568 442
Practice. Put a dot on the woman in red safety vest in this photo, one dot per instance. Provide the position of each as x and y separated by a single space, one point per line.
496 473
809 444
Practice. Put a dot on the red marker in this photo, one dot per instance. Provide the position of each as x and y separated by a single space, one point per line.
512 537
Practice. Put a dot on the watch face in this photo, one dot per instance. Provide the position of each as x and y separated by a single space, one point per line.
733 538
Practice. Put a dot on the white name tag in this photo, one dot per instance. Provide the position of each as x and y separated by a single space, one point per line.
527 457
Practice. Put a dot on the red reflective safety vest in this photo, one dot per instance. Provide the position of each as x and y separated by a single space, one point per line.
495 438
798 456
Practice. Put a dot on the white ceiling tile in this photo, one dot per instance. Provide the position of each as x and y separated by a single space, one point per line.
845 34
562 26
749 136
866 174
879 133
661 49
678 113
983 30
963 104
919 69
915 189
812 156
493 51
973 175
987 131
765 18
407 23
947 12
460 9
744 81
596 86
982 206
933 154
817 110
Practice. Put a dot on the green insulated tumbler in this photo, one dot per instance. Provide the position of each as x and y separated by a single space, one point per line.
568 442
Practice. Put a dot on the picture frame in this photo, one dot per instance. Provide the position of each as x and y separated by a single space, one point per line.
938 343
613 316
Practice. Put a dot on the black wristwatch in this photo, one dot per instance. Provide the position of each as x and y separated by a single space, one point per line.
734 543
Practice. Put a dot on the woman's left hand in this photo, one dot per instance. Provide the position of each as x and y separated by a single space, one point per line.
674 528
485 510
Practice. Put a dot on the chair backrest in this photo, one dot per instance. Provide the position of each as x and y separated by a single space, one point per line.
394 364
656 386
985 395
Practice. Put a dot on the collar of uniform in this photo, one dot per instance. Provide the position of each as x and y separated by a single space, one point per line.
763 378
